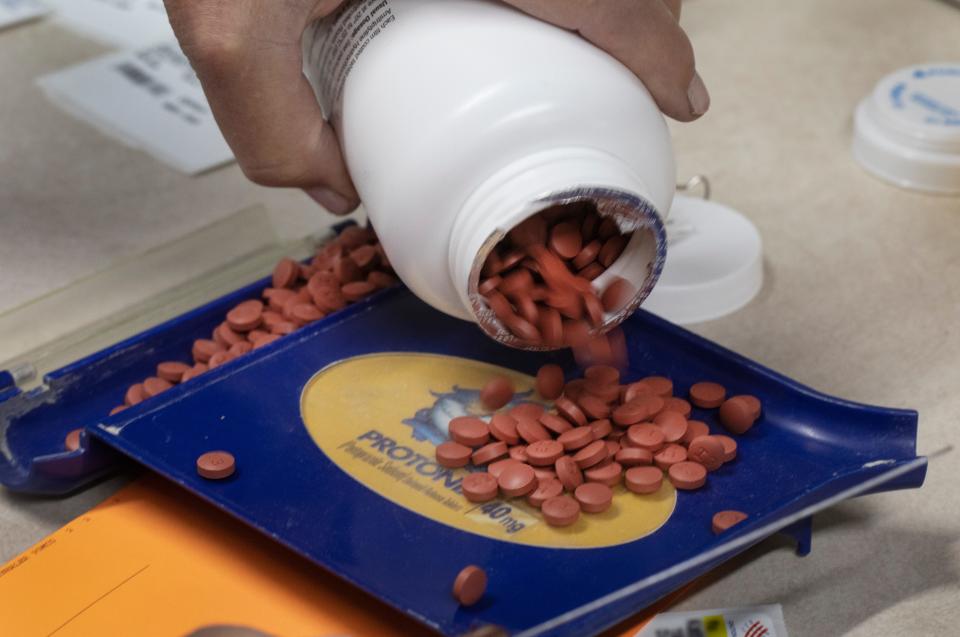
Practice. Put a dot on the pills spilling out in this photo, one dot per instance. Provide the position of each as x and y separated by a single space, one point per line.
600 433
538 281
343 271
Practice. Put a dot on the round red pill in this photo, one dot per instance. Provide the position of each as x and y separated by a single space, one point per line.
526 411
669 456
549 381
723 520
555 423
497 392
469 431
565 240
688 475
594 497
729 447
193 372
216 465
245 316
601 428
544 453
672 425
707 395
285 273
593 407
469 585
590 455
153 386
608 473
753 402
519 452
544 473
72 441
737 415
643 480
479 487
708 451
517 480
561 510
576 438
678 405
532 431
637 410
117 409
496 468
568 473
134 395
546 489
203 349
452 454
569 410
489 452
695 429
613 447
356 290
504 427
661 385
633 456
645 436
172 371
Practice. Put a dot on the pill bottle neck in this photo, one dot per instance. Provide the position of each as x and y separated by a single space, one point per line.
543 180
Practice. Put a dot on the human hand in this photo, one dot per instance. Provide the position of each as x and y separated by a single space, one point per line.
247 56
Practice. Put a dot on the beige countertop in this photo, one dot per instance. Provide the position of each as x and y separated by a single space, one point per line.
861 298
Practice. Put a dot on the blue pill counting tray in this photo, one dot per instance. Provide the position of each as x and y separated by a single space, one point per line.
334 427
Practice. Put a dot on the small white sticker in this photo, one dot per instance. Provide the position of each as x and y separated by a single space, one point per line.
17 11
149 98
124 23
754 621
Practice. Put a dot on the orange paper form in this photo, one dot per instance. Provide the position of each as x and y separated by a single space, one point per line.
154 561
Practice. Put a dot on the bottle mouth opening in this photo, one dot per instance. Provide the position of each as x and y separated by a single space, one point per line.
640 263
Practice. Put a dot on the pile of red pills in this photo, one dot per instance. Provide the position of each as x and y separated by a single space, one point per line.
599 434
343 271
538 279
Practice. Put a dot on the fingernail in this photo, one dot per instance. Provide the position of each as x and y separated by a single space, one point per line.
331 200
697 95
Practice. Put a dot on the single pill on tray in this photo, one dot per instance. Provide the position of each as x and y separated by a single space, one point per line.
469 585
687 475
549 381
497 392
594 497
645 436
285 273
544 453
678 405
753 402
479 487
546 489
568 472
245 316
172 371
517 480
497 467
707 395
708 451
608 473
154 385
643 480
661 385
736 415
452 454
504 427
72 441
469 431
561 510
216 465
526 411
489 452
723 520
634 456
590 455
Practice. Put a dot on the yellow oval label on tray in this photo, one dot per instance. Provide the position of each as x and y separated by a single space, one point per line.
380 418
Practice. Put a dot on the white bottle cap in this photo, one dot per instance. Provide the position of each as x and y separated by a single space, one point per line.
714 263
908 130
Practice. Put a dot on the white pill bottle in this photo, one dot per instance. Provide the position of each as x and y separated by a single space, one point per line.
460 118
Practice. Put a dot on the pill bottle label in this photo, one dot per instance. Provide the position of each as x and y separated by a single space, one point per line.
384 435
331 47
